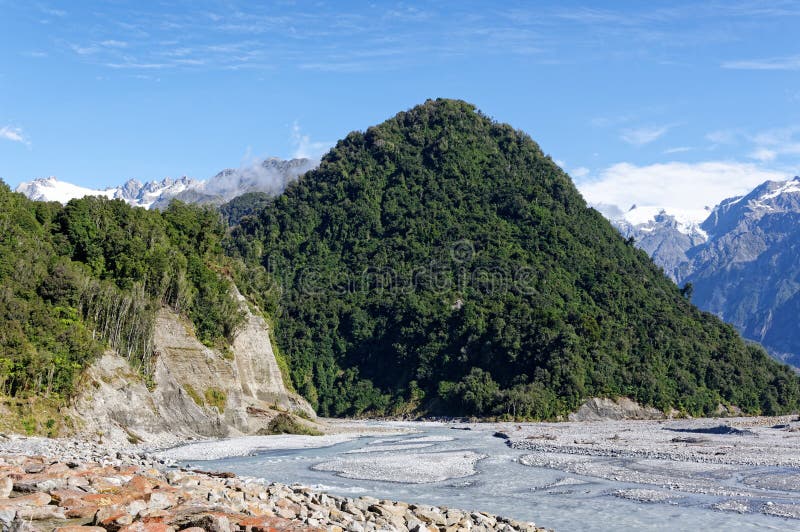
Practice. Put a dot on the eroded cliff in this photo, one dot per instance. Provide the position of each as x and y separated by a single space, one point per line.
195 391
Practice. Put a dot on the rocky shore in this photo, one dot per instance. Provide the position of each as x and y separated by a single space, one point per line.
74 486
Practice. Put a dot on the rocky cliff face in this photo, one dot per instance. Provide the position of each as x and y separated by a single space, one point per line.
196 391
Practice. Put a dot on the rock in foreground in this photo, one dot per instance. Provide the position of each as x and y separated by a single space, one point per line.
39 493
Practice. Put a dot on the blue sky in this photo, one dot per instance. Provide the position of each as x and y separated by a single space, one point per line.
670 102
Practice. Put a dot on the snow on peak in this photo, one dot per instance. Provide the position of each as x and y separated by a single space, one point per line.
786 187
51 189
132 192
687 221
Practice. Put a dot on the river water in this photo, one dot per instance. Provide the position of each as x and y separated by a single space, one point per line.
500 483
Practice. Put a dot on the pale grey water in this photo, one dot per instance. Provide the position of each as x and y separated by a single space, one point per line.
505 487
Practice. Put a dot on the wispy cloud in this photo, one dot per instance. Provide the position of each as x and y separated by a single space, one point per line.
763 154
772 143
723 136
643 135
14 134
375 36
774 63
112 43
764 146
137 66
50 11
84 50
677 149
304 147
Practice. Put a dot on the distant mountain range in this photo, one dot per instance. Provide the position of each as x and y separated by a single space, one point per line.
270 176
666 234
743 259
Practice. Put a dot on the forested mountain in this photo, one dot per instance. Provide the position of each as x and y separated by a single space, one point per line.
75 279
441 262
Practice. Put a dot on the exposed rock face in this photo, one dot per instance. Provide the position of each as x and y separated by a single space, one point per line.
197 391
665 234
599 409
259 376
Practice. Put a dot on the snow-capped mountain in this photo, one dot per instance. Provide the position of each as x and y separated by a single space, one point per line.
270 176
743 259
51 189
132 191
666 234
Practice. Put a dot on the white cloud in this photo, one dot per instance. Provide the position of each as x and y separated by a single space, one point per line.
112 43
773 143
14 134
52 11
304 147
643 135
84 50
772 63
579 172
677 185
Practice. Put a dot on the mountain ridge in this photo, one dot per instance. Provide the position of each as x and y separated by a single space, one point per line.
270 176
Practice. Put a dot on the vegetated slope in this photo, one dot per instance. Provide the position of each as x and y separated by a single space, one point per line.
77 279
441 261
